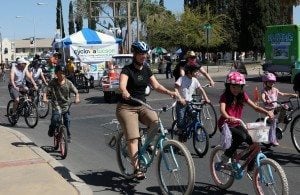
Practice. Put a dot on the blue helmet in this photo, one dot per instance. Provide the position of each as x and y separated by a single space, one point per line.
139 47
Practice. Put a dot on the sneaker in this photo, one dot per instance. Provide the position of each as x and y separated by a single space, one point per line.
275 143
69 139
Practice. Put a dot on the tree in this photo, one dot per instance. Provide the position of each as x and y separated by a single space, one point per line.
79 14
71 19
60 19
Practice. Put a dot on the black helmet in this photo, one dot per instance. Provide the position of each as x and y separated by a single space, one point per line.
191 68
139 47
60 68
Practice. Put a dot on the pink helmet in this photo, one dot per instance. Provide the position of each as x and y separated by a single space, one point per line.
236 78
268 77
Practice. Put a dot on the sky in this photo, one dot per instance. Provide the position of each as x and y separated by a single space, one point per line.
41 19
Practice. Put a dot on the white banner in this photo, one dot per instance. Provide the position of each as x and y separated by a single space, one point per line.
93 53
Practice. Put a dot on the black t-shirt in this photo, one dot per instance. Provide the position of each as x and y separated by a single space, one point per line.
137 82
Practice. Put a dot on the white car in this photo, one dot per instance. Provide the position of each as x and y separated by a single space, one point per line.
110 86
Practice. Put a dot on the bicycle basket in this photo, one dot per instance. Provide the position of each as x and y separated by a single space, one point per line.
258 131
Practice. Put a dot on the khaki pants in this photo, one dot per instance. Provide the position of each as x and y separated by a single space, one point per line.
130 116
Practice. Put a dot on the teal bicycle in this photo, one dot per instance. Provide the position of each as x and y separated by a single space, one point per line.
175 166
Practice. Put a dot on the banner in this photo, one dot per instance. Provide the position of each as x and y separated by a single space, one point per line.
93 53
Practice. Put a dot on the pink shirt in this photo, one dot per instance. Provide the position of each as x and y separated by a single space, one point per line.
232 110
270 95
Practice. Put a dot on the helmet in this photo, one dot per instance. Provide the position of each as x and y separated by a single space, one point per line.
190 54
21 61
268 77
191 68
60 68
236 78
139 47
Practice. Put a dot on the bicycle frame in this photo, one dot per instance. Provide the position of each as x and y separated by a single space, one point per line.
196 122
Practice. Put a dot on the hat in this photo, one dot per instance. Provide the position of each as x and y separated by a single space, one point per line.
21 61
190 54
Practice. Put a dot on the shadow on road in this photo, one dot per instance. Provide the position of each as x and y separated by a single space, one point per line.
206 188
111 181
95 100
54 153
284 158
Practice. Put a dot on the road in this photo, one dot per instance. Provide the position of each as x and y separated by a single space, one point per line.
91 159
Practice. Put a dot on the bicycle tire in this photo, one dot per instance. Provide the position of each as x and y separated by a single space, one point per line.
63 143
175 154
123 159
200 141
225 179
174 130
32 114
209 119
12 120
295 132
43 107
267 165
56 138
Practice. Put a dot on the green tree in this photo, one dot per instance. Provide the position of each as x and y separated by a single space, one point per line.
71 19
79 14
59 18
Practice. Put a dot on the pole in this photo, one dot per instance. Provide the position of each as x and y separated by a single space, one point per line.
34 38
138 19
61 23
128 26
1 48
207 49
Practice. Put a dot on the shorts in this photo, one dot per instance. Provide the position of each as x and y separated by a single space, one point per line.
130 116
14 94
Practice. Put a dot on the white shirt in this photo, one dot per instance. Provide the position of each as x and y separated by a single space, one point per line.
187 87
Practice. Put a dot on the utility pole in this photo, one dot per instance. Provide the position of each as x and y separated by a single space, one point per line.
128 26
1 48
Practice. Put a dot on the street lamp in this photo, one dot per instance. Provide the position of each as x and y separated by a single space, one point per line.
207 27
34 44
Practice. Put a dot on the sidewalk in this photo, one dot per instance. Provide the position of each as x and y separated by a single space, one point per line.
28 170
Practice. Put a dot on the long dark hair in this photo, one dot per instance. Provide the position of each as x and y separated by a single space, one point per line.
230 97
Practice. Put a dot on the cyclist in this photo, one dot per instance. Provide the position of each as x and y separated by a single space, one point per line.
134 79
185 86
16 83
231 108
71 68
60 89
270 94
191 60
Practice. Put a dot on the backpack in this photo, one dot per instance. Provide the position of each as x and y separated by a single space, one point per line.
176 71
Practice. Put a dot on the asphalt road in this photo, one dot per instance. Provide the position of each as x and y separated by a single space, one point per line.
91 159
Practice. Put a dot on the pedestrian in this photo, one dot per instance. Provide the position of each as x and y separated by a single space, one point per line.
168 66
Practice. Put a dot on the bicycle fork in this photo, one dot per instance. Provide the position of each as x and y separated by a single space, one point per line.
261 156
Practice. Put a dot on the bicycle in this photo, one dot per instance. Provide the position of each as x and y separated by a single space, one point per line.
43 107
25 108
208 115
284 116
267 172
112 134
194 128
172 157
60 136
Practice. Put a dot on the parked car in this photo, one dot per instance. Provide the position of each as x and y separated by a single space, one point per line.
110 85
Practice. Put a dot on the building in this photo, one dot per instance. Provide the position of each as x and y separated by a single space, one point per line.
24 48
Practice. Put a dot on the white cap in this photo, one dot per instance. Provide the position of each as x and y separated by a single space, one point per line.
21 61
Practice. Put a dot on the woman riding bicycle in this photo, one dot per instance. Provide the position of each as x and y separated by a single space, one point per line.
231 107
134 79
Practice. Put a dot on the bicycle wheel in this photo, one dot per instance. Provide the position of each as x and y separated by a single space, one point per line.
31 114
174 130
43 107
270 178
200 141
123 159
209 119
9 110
63 143
56 138
295 132
175 168
223 178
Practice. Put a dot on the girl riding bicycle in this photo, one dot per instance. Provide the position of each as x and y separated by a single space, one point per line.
231 107
270 94
186 86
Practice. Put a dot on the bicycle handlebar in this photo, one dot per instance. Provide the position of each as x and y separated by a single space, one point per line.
164 109
245 126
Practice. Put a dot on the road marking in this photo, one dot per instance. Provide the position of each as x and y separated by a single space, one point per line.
15 163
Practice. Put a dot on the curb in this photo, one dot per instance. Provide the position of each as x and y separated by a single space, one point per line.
71 178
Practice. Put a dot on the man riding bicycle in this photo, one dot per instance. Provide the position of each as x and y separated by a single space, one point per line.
16 83
60 89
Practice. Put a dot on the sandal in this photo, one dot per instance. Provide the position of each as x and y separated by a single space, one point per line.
139 175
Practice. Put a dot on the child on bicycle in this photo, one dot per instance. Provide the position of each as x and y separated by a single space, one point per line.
270 94
60 89
231 108
186 86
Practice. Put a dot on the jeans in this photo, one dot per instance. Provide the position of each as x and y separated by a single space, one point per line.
55 121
